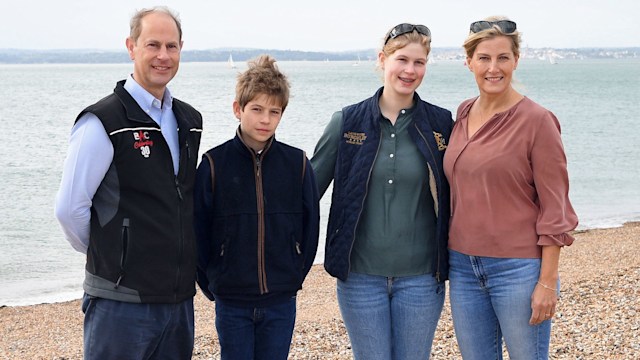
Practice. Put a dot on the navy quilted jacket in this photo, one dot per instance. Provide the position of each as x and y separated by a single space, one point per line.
357 151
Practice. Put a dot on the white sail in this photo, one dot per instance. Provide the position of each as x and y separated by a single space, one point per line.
230 62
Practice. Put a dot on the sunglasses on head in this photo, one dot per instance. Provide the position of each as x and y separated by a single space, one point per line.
506 26
405 29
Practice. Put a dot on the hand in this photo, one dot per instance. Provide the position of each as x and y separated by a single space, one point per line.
543 304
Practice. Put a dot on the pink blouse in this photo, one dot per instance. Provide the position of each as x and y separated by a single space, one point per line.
509 184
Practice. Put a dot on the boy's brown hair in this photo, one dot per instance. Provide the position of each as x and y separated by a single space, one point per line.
262 77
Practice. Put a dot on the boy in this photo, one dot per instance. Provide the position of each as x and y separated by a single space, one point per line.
257 220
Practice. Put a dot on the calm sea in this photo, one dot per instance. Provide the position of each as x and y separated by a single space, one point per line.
597 102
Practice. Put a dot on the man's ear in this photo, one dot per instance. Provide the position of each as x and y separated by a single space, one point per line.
130 45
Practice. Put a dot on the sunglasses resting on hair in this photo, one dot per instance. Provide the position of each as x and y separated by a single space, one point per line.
506 26
405 29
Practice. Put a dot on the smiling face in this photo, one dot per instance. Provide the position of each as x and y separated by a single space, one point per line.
258 120
156 53
493 63
404 69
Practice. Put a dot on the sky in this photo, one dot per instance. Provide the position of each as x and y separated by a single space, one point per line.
325 25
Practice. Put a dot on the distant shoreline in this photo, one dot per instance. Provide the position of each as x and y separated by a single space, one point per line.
98 56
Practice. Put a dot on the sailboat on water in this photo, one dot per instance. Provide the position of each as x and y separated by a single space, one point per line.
230 62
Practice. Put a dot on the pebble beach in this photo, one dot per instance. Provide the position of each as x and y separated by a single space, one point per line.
597 316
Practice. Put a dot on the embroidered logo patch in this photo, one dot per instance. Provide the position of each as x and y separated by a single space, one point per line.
354 138
440 141
143 142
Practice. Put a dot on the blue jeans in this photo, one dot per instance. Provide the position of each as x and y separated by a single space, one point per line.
491 300
120 330
390 317
247 333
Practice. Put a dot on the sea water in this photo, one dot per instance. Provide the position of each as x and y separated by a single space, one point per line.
596 101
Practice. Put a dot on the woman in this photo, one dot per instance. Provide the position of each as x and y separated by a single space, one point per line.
510 207
387 232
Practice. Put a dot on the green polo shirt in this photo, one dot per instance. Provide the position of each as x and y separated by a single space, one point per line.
396 231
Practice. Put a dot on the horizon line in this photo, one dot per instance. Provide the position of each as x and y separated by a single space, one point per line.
306 51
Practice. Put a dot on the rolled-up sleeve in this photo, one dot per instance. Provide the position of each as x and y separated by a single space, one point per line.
549 163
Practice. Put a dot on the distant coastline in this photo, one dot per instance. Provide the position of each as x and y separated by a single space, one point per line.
97 56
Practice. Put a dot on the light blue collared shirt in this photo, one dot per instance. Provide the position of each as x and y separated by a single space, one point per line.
161 113
90 155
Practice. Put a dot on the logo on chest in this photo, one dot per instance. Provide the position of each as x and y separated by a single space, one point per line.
442 145
354 138
143 142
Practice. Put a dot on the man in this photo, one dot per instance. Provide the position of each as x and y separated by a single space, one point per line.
125 200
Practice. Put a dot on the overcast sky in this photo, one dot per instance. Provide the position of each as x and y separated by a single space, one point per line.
336 25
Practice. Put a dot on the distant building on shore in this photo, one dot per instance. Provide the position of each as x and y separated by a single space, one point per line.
93 56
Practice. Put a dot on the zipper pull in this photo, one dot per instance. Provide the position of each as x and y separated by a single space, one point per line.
118 282
123 255
178 189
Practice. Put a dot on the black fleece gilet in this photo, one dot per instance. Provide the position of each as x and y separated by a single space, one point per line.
142 243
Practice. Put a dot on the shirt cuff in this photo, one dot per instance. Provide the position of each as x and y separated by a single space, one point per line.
563 239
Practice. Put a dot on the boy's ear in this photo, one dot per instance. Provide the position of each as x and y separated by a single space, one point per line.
236 109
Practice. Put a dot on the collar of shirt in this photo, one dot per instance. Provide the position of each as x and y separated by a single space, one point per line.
148 102
402 121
